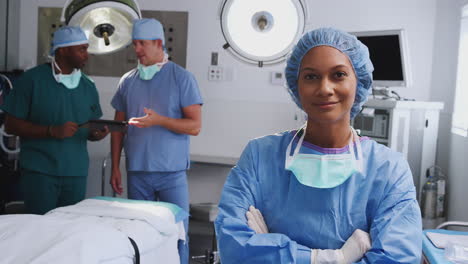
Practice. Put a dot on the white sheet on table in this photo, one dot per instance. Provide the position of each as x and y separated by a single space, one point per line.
160 219
441 240
45 239
130 218
87 228
166 253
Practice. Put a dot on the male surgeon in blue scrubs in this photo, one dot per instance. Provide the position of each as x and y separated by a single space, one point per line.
162 103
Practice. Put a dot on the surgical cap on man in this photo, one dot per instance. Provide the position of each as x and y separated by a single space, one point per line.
357 53
148 28
68 36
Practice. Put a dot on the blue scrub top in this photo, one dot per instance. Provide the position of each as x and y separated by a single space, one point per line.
157 148
380 201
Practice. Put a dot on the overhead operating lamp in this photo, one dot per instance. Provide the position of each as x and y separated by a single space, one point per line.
107 24
262 31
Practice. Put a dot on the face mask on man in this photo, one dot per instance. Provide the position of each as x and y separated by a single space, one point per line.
70 81
147 72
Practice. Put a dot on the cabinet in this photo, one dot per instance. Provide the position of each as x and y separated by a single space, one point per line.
409 127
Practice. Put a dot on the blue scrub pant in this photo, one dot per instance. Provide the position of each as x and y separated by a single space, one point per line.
168 187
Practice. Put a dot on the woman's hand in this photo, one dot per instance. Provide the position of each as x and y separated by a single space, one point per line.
352 251
255 221
356 246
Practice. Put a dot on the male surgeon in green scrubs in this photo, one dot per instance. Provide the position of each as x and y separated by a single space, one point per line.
45 108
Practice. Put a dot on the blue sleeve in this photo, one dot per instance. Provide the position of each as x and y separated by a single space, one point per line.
237 242
118 102
18 101
396 230
190 94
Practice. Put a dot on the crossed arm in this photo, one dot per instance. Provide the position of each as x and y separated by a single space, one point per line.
395 229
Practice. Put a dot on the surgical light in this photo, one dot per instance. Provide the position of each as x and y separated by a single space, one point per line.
262 31
107 24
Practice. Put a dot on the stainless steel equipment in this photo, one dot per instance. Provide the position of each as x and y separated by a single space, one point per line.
108 24
123 60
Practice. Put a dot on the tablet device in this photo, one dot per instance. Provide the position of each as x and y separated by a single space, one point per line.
112 125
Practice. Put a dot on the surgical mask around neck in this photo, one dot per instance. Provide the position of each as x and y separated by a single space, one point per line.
324 171
70 81
147 72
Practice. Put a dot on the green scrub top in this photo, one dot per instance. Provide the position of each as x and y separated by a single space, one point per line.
38 98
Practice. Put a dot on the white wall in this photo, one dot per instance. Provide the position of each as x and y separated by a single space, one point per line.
251 84
444 70
452 148
458 179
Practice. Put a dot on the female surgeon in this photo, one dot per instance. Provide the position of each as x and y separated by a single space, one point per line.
321 194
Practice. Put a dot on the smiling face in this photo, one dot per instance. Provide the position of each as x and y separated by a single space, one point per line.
327 85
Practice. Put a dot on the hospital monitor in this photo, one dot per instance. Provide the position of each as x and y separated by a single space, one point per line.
387 52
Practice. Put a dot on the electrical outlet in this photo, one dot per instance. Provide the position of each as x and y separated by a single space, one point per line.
277 78
215 73
214 58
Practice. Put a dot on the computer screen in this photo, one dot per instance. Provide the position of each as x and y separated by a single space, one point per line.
387 53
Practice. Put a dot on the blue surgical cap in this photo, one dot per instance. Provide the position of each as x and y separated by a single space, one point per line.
148 28
68 36
357 53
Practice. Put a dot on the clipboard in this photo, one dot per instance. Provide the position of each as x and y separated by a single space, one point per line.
112 125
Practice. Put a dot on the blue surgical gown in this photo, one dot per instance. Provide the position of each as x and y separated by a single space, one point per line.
380 201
